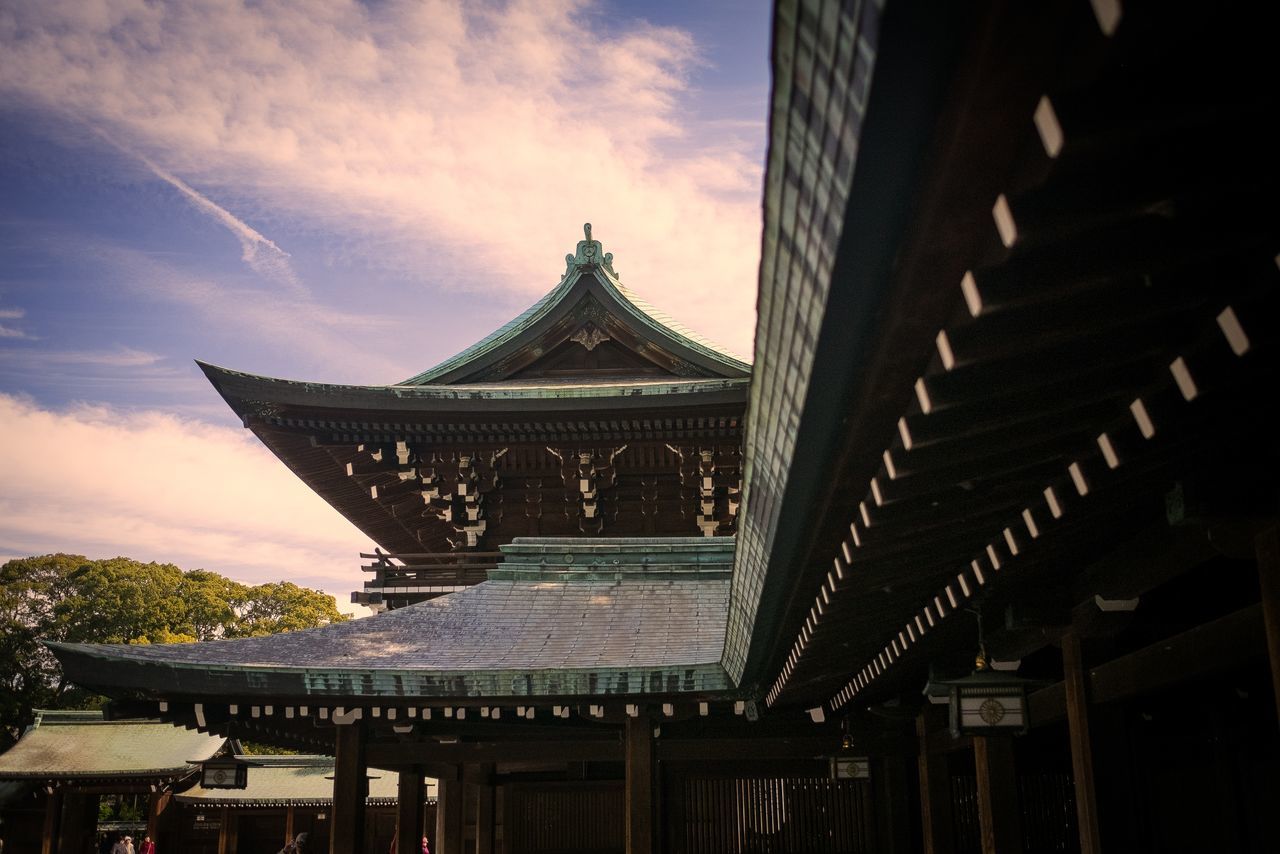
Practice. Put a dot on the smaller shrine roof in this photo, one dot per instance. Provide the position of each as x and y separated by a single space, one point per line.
80 744
292 780
559 617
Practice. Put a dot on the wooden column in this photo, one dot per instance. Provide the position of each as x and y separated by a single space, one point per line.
998 812
410 803
639 787
935 794
1267 546
157 806
350 788
485 825
449 803
52 817
1074 679
227 836
76 829
889 783
289 830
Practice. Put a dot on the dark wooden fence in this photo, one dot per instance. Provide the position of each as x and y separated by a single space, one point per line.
769 816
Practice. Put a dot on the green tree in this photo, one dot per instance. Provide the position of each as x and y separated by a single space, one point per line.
118 600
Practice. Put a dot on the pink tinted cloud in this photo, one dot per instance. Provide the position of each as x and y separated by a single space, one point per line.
464 142
152 486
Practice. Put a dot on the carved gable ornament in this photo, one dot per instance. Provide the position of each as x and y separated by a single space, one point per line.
589 255
590 336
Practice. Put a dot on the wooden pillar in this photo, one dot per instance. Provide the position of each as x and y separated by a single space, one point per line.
52 818
485 825
1267 547
449 803
350 788
893 826
76 829
410 803
157 807
289 830
1073 678
935 794
998 811
228 832
639 788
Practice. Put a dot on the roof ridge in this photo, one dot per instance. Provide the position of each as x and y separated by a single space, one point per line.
589 257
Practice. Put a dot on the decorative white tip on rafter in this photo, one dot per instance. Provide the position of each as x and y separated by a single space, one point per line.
1051 498
1108 14
964 585
994 557
1143 418
1049 128
1004 221
920 625
889 467
928 614
922 396
1182 376
1231 328
972 299
1108 451
977 572
817 715
1029 520
875 493
1078 478
948 358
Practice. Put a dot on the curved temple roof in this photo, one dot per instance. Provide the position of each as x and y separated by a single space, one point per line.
588 271
560 617
83 745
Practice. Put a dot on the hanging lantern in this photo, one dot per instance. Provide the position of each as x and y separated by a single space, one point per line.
224 772
845 765
988 702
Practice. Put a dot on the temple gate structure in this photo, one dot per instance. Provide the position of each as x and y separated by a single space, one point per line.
1008 411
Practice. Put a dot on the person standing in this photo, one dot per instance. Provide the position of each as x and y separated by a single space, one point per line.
147 846
426 849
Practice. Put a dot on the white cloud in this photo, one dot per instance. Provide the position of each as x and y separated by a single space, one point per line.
12 313
13 332
463 142
104 482
120 357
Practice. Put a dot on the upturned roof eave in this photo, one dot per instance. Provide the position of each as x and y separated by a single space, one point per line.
245 393
101 667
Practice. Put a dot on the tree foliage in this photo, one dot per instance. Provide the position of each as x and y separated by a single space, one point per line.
118 600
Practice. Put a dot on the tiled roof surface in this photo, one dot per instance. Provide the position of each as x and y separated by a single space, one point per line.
824 57
292 779
628 612
657 321
82 744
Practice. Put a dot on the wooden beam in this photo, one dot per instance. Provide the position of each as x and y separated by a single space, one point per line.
226 842
448 817
350 788
1193 654
289 831
394 756
410 806
935 793
998 812
639 785
1081 747
1268 549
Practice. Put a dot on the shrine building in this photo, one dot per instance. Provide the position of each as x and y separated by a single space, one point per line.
979 554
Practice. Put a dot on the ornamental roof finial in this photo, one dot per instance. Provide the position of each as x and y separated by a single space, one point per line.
590 255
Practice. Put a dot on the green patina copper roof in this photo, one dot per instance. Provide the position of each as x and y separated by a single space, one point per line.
296 780
83 745
589 263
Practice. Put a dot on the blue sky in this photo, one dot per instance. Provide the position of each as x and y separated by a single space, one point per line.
349 195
